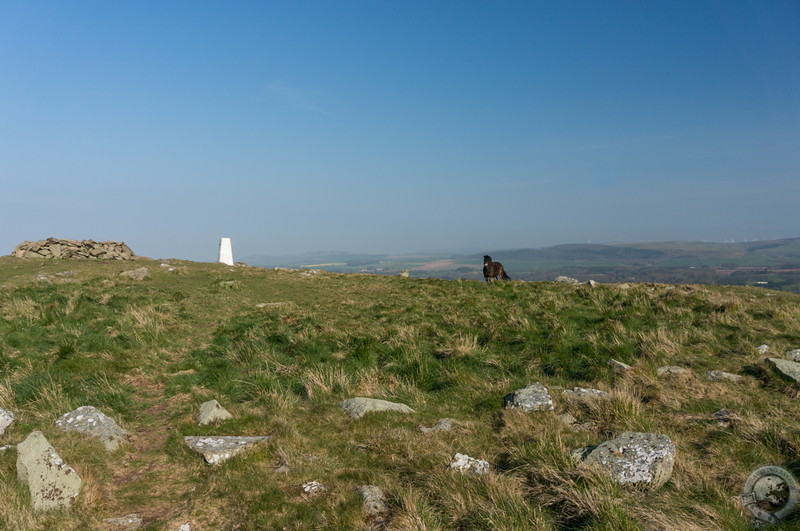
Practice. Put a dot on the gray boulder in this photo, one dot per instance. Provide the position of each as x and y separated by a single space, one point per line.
88 419
136 274
786 368
794 354
53 484
211 412
359 406
6 419
533 397
638 459
217 449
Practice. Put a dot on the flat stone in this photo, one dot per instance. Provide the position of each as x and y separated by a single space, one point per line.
129 521
313 487
360 406
619 367
633 458
718 376
53 484
533 397
786 368
211 412
217 449
375 507
581 393
6 420
674 371
441 425
567 280
466 464
794 354
88 419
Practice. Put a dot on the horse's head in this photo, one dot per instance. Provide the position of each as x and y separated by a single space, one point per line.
487 259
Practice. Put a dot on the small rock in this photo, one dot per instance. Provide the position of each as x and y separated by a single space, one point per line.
53 484
6 419
718 376
136 274
533 397
567 280
674 371
441 425
313 487
88 419
633 458
763 349
374 505
211 412
567 419
129 521
405 273
619 367
359 406
185 527
464 463
793 355
581 393
271 304
786 368
592 283
218 449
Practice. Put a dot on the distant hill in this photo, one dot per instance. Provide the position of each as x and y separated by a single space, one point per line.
772 263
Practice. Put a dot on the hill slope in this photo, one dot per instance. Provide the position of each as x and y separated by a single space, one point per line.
282 349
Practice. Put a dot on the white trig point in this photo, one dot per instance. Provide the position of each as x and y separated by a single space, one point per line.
225 251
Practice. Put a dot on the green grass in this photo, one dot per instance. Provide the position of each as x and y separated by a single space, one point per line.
148 353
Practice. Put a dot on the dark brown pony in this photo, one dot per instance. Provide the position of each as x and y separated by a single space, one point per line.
493 270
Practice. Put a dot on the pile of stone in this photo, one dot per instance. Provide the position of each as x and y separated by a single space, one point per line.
74 249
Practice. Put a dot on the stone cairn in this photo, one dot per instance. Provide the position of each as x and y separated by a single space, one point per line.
74 249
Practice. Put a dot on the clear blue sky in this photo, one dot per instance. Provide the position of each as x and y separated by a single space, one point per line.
378 126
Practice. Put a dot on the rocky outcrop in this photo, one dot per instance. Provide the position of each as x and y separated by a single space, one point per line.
53 484
638 459
719 376
359 406
375 506
74 249
90 420
534 397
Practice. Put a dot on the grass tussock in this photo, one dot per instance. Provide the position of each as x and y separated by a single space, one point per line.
281 350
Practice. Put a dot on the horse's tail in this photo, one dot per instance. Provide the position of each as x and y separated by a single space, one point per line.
505 277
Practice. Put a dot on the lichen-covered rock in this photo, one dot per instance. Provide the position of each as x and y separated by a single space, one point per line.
793 354
217 449
375 507
359 406
129 521
567 280
763 349
638 459
88 419
464 463
6 420
312 488
53 484
211 412
533 397
786 368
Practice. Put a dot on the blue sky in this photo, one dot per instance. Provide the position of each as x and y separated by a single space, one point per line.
378 126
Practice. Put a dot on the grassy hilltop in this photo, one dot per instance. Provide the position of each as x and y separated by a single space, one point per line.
148 353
